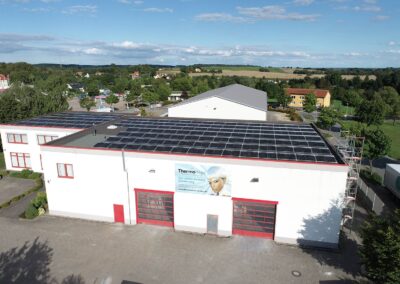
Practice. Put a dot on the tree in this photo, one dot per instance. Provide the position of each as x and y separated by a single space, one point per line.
377 144
135 91
121 84
310 103
328 118
392 100
372 111
87 103
163 91
352 98
183 83
394 111
282 98
380 252
112 99
149 96
92 89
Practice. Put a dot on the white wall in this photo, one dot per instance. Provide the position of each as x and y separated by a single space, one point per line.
99 182
216 108
305 192
32 148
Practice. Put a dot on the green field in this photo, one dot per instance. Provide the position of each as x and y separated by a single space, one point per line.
243 68
393 131
343 109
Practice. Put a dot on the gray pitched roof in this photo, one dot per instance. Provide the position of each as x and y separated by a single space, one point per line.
236 93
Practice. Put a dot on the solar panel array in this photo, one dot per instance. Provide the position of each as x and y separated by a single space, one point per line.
218 138
68 120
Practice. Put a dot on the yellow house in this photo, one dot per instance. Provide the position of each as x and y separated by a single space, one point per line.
298 95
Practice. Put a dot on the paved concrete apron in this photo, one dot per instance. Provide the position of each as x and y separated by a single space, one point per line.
58 249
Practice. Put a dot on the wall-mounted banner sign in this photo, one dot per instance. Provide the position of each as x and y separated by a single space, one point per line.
202 179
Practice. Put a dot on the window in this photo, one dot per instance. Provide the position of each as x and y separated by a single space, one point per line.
17 138
293 97
43 139
20 160
65 171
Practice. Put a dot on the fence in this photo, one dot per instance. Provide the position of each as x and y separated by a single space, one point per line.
370 199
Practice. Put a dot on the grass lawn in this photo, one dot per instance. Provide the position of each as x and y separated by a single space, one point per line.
393 131
343 109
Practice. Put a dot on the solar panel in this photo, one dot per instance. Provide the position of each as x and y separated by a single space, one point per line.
294 142
69 120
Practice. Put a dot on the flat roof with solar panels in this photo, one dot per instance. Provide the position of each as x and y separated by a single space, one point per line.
79 120
205 137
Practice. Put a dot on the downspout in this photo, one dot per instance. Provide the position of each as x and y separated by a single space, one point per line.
127 184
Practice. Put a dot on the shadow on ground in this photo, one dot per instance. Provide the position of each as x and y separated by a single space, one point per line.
320 228
30 264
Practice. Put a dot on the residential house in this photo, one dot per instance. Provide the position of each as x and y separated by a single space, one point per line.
298 96
4 82
135 75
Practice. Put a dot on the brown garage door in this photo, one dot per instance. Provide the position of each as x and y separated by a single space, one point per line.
254 217
155 207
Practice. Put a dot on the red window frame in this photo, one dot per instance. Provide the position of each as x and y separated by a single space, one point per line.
20 138
25 156
67 175
149 221
45 138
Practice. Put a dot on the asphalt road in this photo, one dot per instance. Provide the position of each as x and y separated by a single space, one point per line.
53 249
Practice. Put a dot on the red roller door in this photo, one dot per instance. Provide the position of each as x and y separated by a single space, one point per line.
254 217
155 207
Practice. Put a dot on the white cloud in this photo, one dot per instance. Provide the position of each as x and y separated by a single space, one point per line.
220 17
135 2
303 2
392 43
274 12
394 51
37 10
40 48
93 50
381 18
76 9
158 10
367 8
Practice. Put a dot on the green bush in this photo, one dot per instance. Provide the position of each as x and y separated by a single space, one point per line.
28 174
165 103
372 177
293 115
31 212
38 206
40 201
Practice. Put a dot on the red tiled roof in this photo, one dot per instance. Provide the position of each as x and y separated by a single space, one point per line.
297 91
3 77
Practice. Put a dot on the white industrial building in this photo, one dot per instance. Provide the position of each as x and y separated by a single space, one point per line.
231 102
21 140
224 177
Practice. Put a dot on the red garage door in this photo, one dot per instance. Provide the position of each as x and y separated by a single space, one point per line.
254 217
155 207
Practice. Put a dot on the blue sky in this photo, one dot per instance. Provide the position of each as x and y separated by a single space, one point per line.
306 33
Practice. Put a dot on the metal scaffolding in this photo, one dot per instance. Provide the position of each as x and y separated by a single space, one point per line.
350 148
